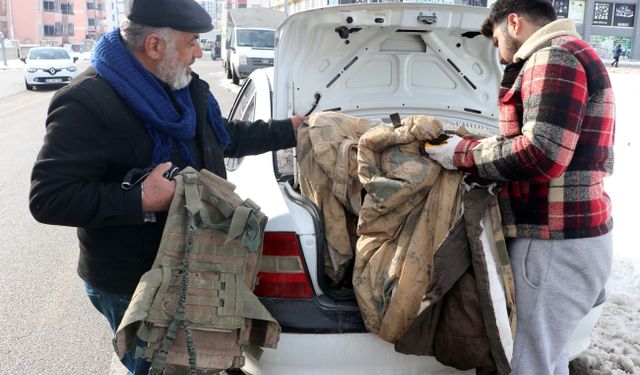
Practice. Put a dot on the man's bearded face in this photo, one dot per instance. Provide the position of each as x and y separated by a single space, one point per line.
173 71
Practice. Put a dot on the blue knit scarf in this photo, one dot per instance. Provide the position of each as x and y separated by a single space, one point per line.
144 94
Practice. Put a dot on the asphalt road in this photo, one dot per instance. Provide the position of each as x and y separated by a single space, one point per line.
47 324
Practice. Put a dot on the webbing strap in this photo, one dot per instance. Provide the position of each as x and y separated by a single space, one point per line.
246 223
238 222
159 361
191 194
342 185
162 290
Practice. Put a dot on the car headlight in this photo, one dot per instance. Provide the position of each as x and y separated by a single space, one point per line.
32 70
72 68
243 59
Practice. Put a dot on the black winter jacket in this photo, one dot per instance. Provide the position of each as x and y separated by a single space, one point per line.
92 140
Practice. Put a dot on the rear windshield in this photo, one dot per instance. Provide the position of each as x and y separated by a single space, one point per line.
256 38
48 54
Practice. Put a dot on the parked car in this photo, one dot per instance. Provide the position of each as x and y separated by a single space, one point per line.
217 45
207 44
366 60
46 66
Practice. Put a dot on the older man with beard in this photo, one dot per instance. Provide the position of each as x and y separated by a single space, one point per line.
138 107
555 148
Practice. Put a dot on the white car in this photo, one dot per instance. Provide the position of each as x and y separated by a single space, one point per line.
46 66
367 60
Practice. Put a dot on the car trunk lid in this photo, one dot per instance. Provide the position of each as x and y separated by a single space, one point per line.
376 59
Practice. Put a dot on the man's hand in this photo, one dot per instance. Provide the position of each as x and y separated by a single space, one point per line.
443 153
297 120
157 190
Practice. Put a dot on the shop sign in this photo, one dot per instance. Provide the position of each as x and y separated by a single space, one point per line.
602 14
562 8
576 11
624 15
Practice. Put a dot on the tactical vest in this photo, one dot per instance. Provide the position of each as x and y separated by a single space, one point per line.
195 308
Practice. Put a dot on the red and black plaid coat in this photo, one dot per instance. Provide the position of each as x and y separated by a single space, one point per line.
556 145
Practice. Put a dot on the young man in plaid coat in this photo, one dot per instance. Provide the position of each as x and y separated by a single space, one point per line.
555 148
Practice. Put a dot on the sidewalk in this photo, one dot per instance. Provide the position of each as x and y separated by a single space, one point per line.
622 63
11 64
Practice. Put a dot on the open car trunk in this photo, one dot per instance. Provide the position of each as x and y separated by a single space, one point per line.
371 61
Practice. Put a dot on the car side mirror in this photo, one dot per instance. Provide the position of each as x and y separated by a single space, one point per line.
75 59
23 59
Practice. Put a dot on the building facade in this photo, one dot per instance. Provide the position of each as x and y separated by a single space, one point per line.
215 8
4 18
56 22
605 24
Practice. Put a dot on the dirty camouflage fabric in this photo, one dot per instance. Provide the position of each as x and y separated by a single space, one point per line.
327 147
468 316
411 203
195 308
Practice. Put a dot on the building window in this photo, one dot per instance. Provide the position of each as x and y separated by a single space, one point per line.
58 29
48 6
49 30
70 29
91 21
91 6
66 8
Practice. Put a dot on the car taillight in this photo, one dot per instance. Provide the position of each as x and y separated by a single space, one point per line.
282 270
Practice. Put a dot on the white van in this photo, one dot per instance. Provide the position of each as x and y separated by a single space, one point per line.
249 40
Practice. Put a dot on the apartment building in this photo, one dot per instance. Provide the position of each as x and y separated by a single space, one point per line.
4 18
56 22
215 9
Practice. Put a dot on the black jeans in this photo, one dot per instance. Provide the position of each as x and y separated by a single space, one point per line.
615 61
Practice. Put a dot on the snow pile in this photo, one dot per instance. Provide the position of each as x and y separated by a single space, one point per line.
615 346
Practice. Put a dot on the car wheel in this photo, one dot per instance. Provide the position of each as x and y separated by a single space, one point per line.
236 79
227 69
28 86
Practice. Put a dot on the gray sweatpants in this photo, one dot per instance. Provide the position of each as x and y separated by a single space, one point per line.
557 282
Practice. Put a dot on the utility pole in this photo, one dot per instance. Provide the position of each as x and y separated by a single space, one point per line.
10 17
4 50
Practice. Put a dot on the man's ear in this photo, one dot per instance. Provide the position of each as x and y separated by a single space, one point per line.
154 46
514 23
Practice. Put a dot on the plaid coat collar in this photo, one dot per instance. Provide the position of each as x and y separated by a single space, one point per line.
543 35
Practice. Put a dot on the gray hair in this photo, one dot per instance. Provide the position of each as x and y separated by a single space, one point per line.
134 34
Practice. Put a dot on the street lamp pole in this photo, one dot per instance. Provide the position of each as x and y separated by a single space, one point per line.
4 49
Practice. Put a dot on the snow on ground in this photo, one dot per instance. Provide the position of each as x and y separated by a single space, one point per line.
615 346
